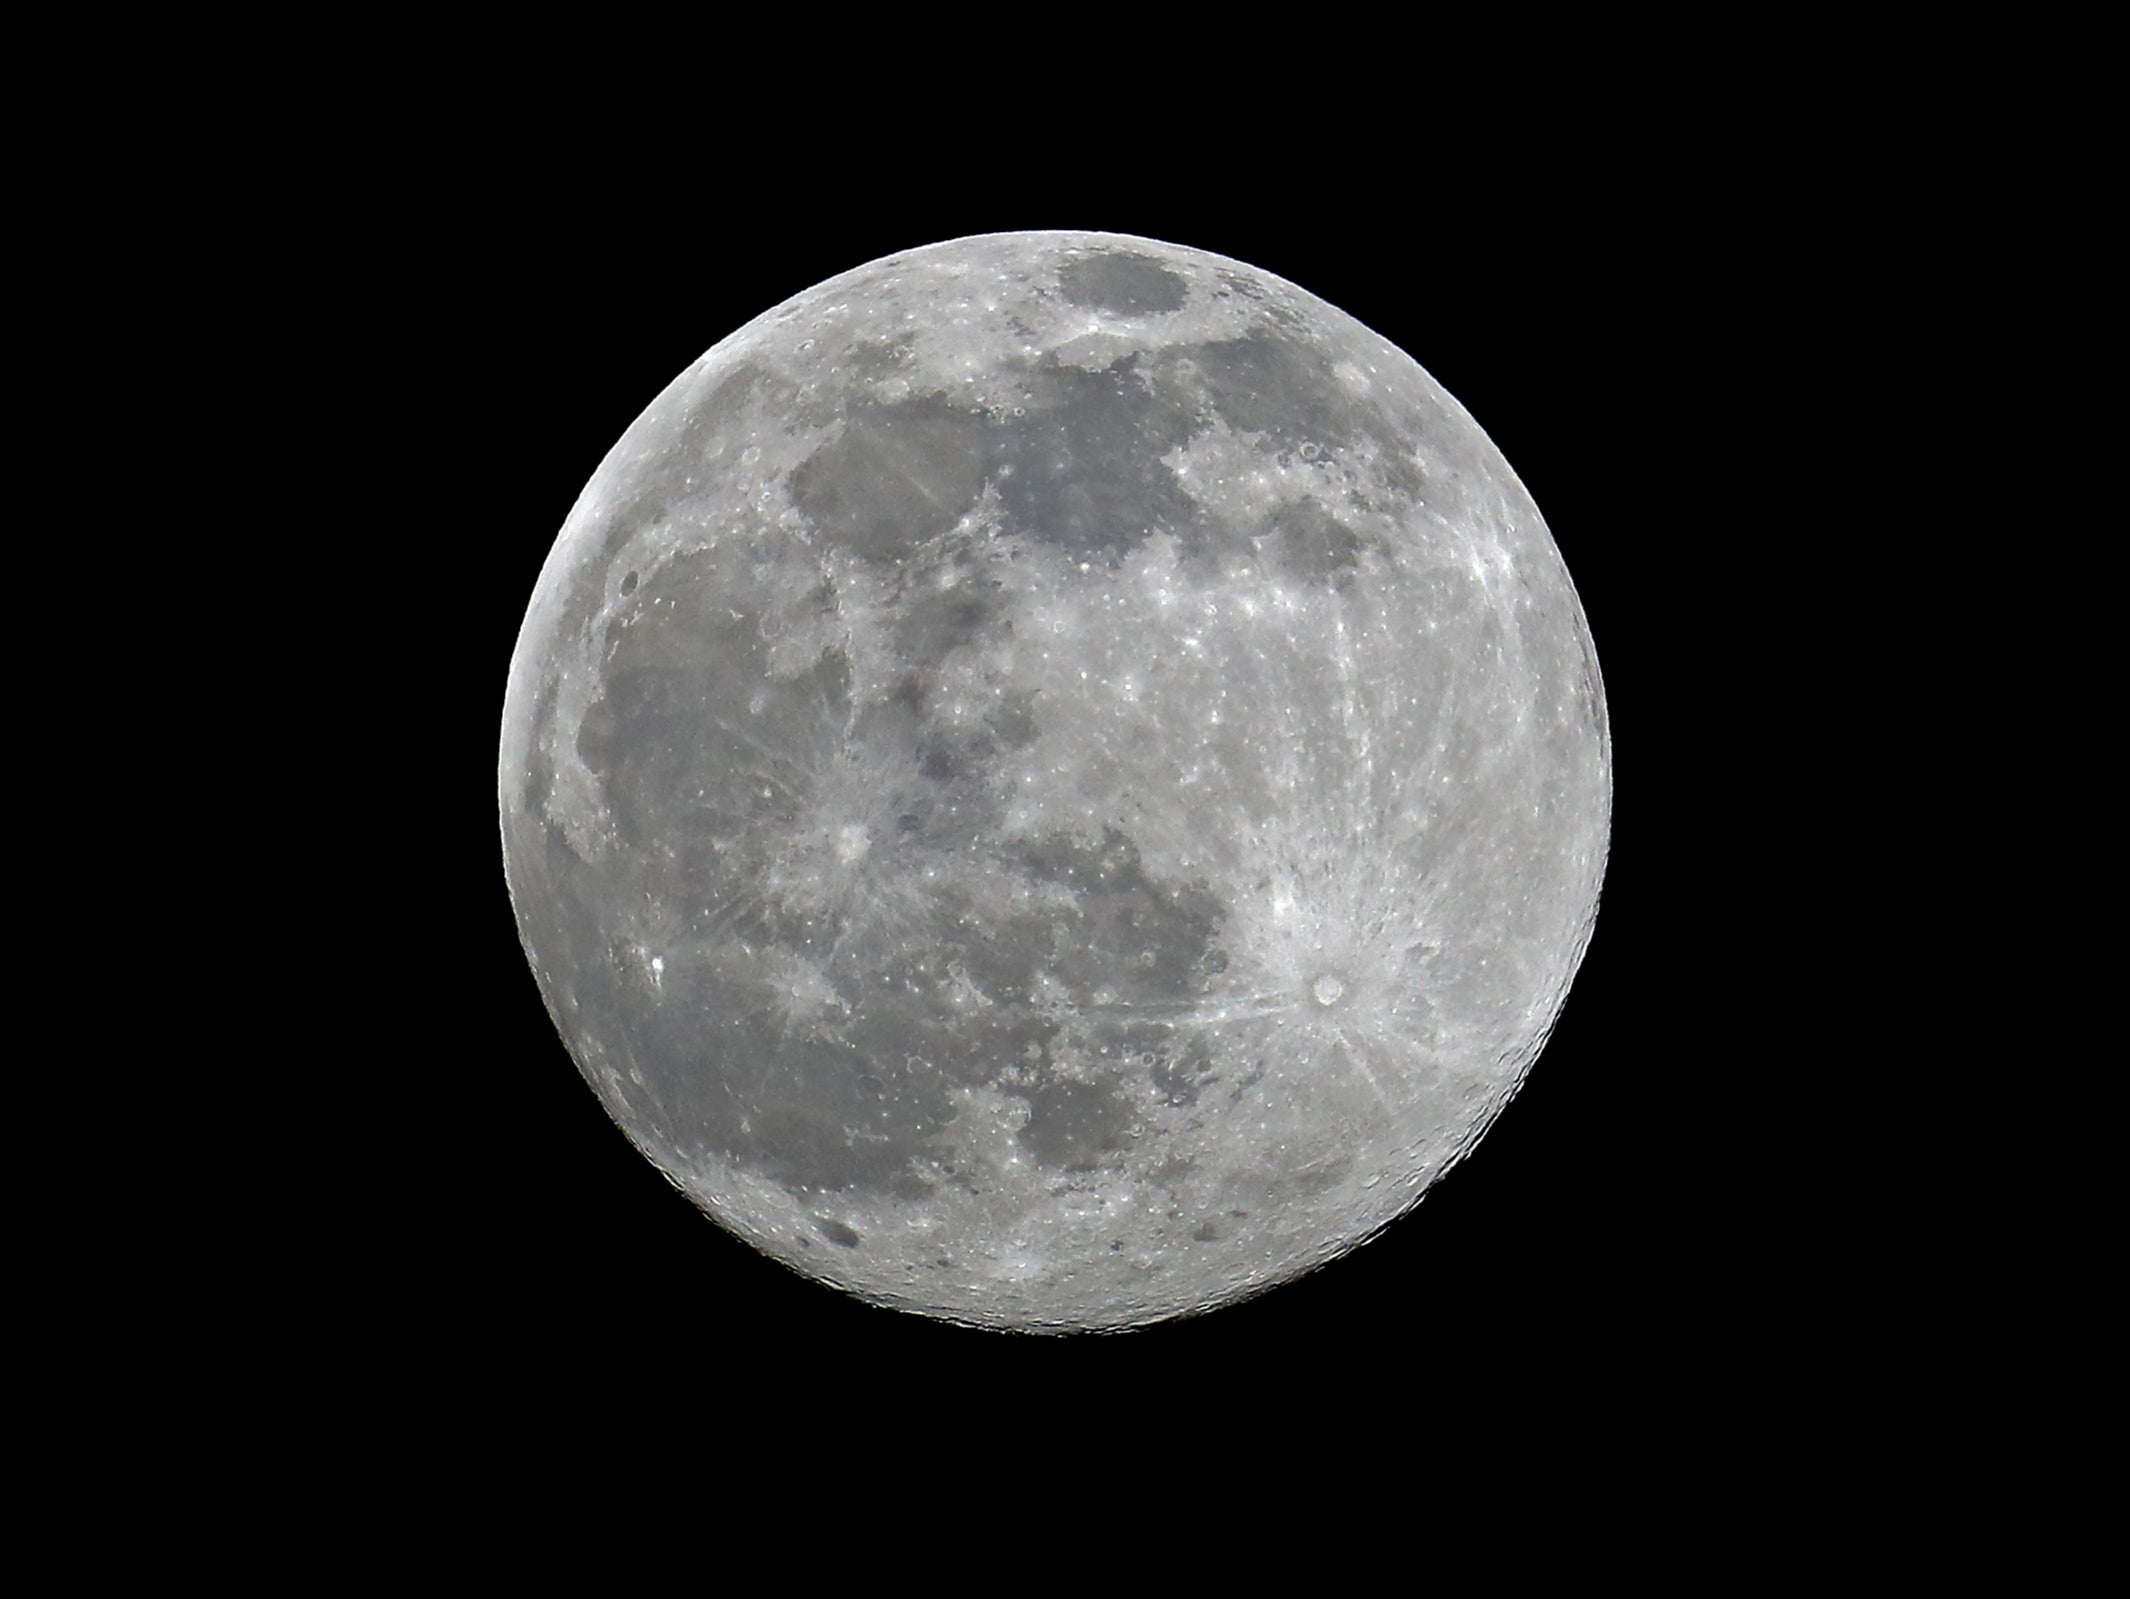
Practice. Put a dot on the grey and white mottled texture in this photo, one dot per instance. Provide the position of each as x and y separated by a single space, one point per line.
1054 780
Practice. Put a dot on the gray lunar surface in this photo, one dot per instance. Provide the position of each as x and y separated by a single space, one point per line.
1054 781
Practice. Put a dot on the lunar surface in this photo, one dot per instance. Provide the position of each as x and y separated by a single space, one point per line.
1054 781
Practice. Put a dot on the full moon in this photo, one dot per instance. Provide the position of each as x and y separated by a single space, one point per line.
1054 781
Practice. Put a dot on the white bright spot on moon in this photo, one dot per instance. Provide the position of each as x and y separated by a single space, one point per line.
1112 767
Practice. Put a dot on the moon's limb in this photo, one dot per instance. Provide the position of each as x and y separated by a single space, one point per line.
1054 780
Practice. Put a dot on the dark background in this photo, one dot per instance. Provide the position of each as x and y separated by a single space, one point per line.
1585 1250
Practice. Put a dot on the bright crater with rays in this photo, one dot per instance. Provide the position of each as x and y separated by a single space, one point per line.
1054 780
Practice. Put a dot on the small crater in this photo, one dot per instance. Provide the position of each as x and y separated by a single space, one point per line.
1327 990
836 1233
628 584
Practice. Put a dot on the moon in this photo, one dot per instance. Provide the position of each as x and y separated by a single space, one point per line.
1054 781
